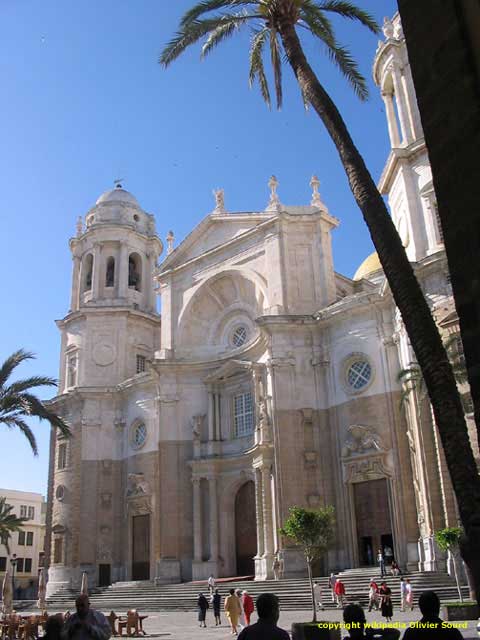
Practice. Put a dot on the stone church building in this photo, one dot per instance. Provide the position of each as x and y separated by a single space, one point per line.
268 380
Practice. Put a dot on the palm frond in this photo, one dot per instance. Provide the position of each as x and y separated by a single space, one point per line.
193 31
224 30
340 55
12 362
211 5
19 423
349 10
276 65
29 383
39 410
257 69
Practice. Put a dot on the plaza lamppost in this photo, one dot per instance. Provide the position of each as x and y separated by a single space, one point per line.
13 562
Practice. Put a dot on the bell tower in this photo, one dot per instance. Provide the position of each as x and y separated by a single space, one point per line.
114 255
407 177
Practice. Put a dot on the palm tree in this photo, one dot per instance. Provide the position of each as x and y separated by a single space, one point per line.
17 402
274 23
8 523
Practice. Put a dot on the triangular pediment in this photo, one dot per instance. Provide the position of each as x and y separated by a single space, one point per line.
214 232
228 370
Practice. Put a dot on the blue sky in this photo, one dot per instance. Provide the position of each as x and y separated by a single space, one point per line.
85 102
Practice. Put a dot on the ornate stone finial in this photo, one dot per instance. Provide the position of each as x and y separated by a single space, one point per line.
170 240
316 200
79 226
387 28
219 195
398 30
274 202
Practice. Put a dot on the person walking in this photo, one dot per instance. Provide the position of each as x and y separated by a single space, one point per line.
86 623
317 595
211 584
408 594
403 594
331 583
232 610
381 562
386 601
373 595
268 610
339 592
248 606
202 606
238 593
216 603
276 568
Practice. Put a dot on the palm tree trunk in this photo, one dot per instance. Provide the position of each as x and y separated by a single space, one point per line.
408 296
310 578
455 572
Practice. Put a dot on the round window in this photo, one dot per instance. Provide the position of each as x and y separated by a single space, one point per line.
239 336
136 217
60 492
139 436
359 374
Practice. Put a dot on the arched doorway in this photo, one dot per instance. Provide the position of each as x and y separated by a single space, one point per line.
245 529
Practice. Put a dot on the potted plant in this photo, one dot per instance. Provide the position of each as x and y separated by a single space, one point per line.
313 531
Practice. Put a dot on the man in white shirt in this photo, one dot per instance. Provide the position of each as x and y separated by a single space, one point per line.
211 584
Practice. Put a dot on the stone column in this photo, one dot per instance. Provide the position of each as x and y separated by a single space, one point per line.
407 136
217 427
96 272
211 415
267 512
150 284
74 302
259 512
391 119
123 271
197 521
212 492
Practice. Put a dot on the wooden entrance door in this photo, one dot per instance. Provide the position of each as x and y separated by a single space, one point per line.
245 529
104 579
372 513
141 547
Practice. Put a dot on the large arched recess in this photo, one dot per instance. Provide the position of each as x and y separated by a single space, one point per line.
231 296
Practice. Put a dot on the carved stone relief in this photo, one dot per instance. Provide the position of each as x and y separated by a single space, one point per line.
137 485
360 440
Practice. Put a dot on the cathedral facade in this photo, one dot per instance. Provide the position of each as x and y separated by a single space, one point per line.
268 380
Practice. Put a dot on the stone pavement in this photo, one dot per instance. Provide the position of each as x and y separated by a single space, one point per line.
183 625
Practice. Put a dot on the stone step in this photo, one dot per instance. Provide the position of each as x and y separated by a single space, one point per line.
293 593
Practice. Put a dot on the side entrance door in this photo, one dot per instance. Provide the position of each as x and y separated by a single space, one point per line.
141 547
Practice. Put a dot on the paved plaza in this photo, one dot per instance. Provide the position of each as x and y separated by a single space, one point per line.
184 625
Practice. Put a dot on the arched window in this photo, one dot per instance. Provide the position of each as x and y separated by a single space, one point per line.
110 272
88 272
135 271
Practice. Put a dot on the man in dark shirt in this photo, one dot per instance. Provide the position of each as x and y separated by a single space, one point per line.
431 627
268 610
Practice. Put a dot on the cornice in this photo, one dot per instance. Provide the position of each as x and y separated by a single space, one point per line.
82 314
395 156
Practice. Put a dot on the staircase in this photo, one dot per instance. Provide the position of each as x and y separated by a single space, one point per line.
293 593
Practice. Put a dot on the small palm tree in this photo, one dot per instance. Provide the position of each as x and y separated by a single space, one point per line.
8 523
17 402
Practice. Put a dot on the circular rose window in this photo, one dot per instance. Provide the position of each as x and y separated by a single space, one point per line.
239 336
359 374
139 436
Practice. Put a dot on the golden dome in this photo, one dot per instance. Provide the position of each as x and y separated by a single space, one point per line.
368 266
